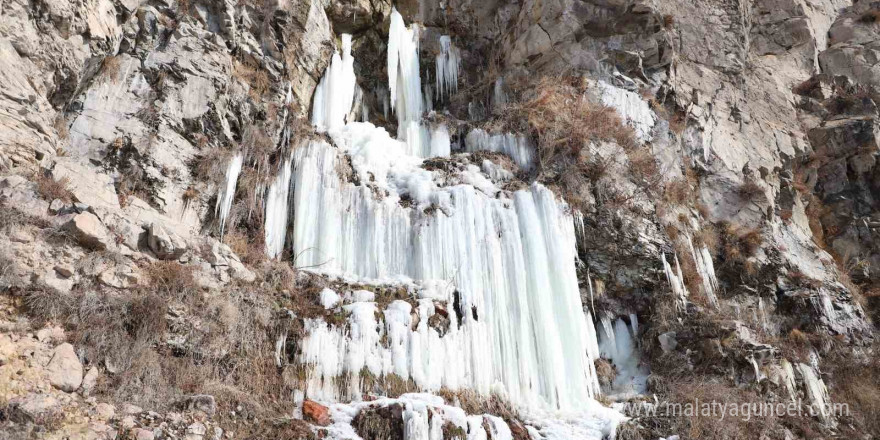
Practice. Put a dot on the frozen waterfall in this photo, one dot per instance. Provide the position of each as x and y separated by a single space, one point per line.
447 62
335 93
517 147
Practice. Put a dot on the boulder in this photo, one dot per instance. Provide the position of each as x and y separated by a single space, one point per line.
196 431
202 402
316 413
89 381
64 370
668 341
39 409
88 230
164 244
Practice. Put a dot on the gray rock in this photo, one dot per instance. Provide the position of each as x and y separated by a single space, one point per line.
196 431
64 370
164 244
202 402
668 341
88 230
56 206
89 381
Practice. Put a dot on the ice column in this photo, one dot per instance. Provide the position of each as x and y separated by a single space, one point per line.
447 62
277 202
517 147
226 193
335 93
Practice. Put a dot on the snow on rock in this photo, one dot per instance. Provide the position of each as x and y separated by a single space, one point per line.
329 298
634 110
447 62
515 146
335 93
226 193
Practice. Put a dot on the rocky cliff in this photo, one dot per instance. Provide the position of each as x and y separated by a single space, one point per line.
438 219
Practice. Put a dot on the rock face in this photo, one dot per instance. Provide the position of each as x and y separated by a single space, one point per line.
64 369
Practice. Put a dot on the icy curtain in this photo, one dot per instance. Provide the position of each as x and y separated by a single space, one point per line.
511 261
446 63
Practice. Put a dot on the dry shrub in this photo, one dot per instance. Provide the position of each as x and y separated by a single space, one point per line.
739 243
252 251
563 121
210 165
807 87
854 382
171 278
698 426
643 166
750 191
254 76
110 67
814 211
668 21
50 189
677 192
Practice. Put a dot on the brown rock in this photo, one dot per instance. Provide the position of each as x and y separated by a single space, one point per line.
316 413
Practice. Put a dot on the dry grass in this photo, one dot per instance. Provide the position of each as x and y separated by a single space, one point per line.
254 76
50 189
699 426
110 68
251 250
678 192
854 382
750 191
556 114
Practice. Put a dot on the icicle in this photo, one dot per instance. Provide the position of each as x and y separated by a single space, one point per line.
226 193
447 62
335 93
276 211
517 147
676 281
404 82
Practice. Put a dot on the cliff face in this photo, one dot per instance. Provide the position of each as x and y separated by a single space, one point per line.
452 219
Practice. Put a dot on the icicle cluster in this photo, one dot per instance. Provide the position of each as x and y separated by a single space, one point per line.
226 193
676 280
404 82
277 203
447 62
336 91
517 147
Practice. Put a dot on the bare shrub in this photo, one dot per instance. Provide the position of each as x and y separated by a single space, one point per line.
254 76
750 191
252 251
50 189
171 278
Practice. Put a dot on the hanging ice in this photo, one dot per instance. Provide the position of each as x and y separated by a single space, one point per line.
447 62
277 204
226 193
335 93
517 147
404 82
676 280
618 345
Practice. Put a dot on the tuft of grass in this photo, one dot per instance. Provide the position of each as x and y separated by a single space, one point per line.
254 76
750 191
50 189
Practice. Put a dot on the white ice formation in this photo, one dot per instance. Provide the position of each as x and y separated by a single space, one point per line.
703 261
617 342
447 62
335 93
497 267
630 105
226 193
516 146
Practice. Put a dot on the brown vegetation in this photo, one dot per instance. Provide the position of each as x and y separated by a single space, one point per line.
50 189
254 76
